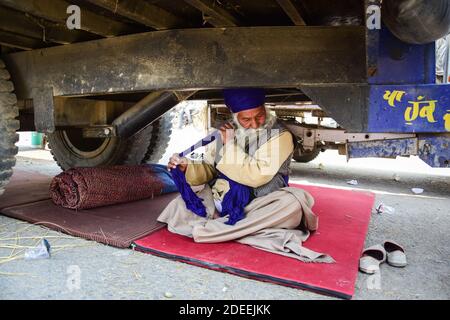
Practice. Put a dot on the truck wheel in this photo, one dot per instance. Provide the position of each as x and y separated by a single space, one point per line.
162 131
417 21
70 149
304 157
8 127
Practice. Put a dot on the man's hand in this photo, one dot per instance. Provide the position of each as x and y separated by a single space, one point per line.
175 160
227 132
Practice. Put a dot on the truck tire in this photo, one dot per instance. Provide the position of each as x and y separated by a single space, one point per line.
162 131
304 157
417 21
8 127
70 149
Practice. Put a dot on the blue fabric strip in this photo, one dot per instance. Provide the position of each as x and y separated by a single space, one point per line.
192 201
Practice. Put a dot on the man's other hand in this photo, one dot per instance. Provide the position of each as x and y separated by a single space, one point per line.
175 160
227 132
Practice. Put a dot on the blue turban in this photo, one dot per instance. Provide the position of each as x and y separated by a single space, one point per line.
241 99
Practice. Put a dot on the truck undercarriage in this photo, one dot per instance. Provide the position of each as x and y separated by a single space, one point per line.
103 92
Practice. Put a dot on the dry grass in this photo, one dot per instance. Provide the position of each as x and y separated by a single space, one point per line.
19 241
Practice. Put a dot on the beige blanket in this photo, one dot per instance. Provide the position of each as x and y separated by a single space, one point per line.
278 222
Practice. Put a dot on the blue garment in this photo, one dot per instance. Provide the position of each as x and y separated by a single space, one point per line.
241 99
286 179
233 203
192 201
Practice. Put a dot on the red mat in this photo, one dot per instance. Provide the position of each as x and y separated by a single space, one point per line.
343 223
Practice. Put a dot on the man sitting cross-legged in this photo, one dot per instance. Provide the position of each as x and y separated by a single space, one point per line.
249 163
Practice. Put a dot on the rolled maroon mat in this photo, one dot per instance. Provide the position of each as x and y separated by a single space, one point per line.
84 188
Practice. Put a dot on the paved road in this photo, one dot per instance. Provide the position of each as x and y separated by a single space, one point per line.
420 223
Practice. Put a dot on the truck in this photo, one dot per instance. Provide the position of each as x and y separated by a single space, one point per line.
100 77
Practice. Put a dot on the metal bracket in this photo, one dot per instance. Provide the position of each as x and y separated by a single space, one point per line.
44 115
310 137
99 132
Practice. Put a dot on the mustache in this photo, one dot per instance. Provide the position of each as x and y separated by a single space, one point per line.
270 120
245 136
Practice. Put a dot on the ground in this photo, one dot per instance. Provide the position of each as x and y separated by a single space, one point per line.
420 223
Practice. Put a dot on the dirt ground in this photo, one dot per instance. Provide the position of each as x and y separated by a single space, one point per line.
81 269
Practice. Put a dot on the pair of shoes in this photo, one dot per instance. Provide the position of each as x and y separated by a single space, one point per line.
375 255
